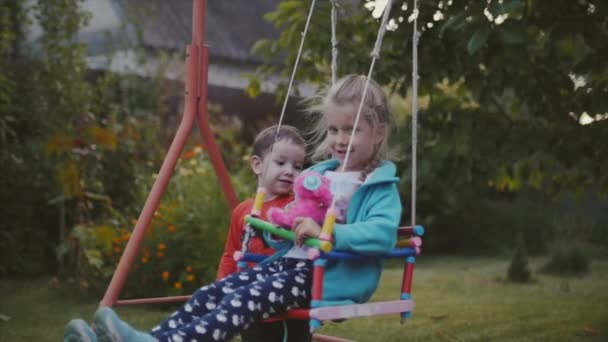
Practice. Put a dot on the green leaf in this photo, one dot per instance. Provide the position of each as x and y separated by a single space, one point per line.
454 22
261 46
510 34
574 47
253 89
506 7
94 257
478 39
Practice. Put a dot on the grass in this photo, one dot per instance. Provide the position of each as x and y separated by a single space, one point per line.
457 299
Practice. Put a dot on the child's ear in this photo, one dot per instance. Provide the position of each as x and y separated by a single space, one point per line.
256 165
380 133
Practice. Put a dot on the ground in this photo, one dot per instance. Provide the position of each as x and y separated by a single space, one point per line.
457 299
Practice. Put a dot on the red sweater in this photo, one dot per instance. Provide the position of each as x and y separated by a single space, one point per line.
237 229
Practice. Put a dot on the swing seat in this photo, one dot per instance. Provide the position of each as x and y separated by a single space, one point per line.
408 247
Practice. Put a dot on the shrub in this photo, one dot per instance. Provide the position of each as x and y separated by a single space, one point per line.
519 270
182 245
566 261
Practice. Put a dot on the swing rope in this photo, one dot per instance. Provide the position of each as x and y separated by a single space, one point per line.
415 38
334 43
375 55
293 76
248 230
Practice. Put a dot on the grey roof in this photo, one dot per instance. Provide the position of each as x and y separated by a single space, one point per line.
232 26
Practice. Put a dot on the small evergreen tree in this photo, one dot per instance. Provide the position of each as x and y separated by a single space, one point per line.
519 269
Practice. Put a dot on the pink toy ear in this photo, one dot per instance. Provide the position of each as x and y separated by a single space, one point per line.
312 181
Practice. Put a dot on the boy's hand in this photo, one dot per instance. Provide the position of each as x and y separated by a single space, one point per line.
305 227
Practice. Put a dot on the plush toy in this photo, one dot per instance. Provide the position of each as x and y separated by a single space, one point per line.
312 199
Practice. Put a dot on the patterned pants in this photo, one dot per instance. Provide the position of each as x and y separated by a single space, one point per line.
221 310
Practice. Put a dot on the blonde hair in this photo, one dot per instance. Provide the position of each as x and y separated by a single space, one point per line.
345 97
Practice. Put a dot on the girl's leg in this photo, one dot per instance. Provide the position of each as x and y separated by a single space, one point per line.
288 288
206 299
79 330
111 328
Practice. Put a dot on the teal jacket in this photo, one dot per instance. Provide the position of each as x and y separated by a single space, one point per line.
372 219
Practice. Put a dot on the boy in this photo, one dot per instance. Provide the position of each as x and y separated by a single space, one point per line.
275 171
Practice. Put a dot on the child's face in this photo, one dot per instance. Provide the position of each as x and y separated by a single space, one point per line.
284 164
339 129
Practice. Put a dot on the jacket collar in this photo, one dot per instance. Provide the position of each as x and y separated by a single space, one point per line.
383 173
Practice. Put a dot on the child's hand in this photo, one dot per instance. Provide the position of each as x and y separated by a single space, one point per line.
305 227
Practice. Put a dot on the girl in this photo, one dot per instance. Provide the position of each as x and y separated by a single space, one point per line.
365 192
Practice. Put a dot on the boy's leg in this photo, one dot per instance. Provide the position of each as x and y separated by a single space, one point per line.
264 332
286 289
298 331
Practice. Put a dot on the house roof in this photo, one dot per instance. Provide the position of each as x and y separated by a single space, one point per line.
231 26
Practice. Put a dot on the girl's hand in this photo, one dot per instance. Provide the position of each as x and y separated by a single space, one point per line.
305 227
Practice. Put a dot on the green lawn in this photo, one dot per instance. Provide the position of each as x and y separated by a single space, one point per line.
457 299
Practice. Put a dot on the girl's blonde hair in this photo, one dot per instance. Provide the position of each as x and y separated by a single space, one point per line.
345 97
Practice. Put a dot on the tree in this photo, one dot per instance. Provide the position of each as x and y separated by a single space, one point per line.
505 85
59 131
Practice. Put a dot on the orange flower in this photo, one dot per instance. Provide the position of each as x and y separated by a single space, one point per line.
103 137
58 143
162 246
160 254
144 260
190 277
177 285
165 275
188 268
188 155
171 228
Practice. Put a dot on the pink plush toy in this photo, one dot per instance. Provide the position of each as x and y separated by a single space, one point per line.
312 199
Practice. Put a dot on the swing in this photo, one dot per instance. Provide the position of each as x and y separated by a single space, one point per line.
197 59
409 238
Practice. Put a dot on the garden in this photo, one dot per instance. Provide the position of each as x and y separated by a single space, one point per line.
511 181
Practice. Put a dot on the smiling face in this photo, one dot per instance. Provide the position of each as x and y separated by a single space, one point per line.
366 139
285 163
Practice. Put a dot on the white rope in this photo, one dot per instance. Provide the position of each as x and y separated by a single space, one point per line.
295 66
334 43
375 55
248 229
293 76
415 38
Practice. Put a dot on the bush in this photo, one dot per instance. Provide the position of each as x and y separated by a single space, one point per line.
566 261
183 244
519 270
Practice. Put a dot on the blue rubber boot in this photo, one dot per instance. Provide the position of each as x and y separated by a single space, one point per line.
110 328
79 330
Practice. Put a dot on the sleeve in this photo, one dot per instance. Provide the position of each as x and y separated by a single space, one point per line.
376 232
227 264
